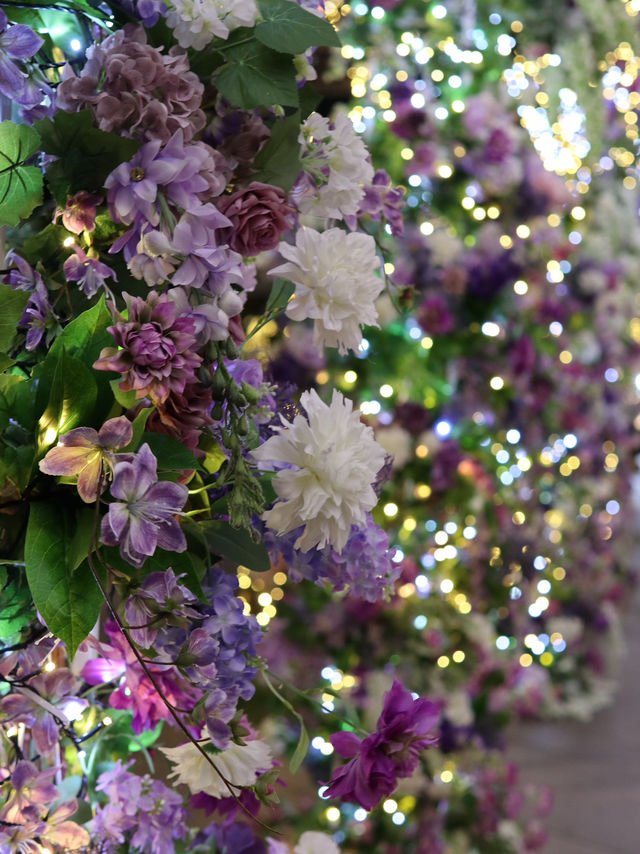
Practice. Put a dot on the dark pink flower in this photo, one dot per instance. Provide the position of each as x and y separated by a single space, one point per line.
155 352
79 213
259 214
403 730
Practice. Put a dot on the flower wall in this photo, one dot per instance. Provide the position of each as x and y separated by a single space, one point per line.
318 415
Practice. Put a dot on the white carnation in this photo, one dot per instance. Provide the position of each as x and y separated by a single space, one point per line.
339 148
239 764
336 459
196 22
336 284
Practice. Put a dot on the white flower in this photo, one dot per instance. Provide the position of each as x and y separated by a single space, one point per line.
336 459
314 842
196 22
239 764
343 151
336 285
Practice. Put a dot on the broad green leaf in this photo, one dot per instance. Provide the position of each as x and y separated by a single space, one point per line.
279 160
126 399
85 154
69 601
281 292
12 306
5 361
66 397
16 605
255 76
302 748
289 28
139 423
171 454
236 545
85 336
20 185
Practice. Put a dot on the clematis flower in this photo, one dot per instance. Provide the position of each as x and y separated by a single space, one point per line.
336 284
402 732
332 460
89 273
144 517
85 452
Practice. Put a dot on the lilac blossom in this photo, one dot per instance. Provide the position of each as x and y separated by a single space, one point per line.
364 566
143 518
90 273
205 264
156 354
17 42
403 730
116 662
381 200
140 810
160 598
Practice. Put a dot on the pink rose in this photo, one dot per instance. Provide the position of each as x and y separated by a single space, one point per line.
259 214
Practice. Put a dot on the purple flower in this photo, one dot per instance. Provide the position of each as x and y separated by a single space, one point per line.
85 452
160 598
402 732
21 276
39 317
89 273
140 810
17 42
156 355
144 517
133 186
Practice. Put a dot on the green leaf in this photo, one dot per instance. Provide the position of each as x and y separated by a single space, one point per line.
126 399
139 423
289 28
16 605
255 76
66 397
20 185
85 154
236 545
85 336
279 160
171 454
12 306
302 748
280 294
69 601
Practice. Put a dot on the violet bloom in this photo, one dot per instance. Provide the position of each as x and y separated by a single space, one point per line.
17 42
21 275
392 751
155 355
39 318
133 186
144 517
89 273
160 598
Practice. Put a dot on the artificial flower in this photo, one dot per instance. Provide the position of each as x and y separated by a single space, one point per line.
332 460
336 284
239 765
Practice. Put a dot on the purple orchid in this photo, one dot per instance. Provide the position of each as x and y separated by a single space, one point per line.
89 273
392 751
156 355
17 42
86 452
144 517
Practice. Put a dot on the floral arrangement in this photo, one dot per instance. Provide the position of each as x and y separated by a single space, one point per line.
238 613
